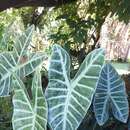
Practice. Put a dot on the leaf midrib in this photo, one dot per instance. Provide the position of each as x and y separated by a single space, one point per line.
68 87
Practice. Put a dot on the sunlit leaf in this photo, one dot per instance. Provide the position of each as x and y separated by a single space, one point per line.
110 94
68 100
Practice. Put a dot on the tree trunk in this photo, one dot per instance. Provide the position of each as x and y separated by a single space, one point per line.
5 4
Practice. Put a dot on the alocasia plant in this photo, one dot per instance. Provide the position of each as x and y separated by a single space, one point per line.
68 100
29 114
18 61
110 94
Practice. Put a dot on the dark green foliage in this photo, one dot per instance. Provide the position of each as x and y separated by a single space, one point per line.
5 113
93 15
73 29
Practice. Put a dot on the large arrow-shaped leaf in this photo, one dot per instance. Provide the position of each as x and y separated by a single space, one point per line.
29 114
110 94
69 100
18 62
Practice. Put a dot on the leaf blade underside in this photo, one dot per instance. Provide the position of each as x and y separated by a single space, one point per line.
110 94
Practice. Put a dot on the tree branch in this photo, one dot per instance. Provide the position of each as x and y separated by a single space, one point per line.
5 4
